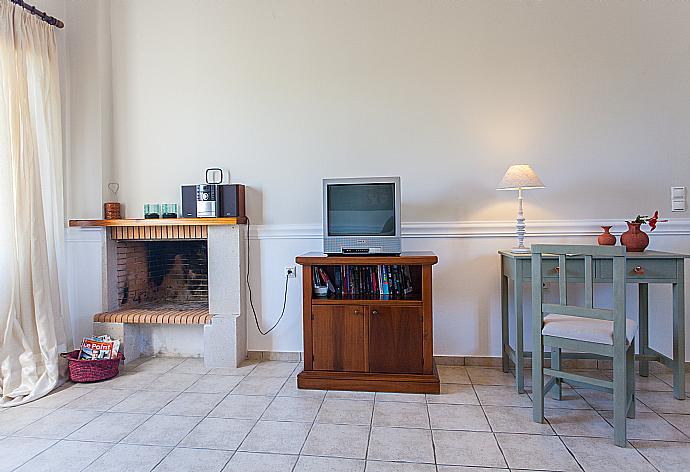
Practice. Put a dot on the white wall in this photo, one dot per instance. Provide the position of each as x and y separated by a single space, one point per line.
444 94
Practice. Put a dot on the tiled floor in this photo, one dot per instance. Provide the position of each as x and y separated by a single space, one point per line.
169 414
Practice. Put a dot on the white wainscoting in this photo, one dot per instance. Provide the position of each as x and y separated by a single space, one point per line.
466 279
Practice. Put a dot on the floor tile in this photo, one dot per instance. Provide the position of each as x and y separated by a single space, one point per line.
345 412
400 397
649 426
578 423
328 464
595 455
160 430
253 462
144 402
218 433
665 456
337 440
292 409
488 376
402 415
258 386
651 384
380 466
192 365
132 380
290 390
192 404
244 369
194 460
58 425
15 418
276 437
664 402
501 396
159 364
173 382
129 458
66 455
118 425
350 395
456 394
570 399
215 384
460 468
453 375
16 451
241 406
526 451
401 444
467 448
457 417
682 422
60 397
603 401
274 369
508 419
99 399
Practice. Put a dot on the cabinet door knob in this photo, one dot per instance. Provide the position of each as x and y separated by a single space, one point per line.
356 312
639 270
557 269
374 312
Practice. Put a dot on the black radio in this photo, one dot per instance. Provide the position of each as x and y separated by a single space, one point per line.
213 200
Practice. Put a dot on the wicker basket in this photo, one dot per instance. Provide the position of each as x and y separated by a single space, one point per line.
83 371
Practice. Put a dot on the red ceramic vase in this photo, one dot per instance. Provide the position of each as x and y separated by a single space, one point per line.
635 240
606 238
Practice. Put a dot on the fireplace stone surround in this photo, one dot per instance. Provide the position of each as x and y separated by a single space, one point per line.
178 279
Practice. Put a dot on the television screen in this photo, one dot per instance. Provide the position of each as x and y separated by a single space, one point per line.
361 209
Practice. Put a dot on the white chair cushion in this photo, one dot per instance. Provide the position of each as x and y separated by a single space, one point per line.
585 329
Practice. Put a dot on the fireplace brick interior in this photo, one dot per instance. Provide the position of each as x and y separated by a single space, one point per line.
160 273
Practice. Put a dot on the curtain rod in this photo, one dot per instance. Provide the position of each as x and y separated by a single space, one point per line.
42 15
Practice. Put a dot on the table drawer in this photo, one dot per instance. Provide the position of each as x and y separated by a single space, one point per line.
639 269
550 269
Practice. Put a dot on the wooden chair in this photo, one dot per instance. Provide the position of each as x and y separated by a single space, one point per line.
604 332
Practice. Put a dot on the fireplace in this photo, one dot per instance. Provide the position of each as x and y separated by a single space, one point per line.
165 273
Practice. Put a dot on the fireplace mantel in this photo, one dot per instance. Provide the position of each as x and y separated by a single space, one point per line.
129 222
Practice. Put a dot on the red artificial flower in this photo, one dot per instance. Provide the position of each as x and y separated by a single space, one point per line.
652 221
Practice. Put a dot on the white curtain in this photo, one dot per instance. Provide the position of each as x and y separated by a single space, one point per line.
33 317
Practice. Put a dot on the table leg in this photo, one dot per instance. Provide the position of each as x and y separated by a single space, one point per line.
505 337
643 303
519 330
679 332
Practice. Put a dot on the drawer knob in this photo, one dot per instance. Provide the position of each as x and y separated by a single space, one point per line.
638 270
557 269
356 312
374 312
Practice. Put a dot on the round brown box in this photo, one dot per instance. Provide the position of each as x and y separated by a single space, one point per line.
111 211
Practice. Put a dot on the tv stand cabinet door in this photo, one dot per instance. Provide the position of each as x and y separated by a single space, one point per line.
396 339
339 338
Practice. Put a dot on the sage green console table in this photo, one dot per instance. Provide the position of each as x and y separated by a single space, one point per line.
643 268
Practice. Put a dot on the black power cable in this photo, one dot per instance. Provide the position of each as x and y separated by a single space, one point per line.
249 286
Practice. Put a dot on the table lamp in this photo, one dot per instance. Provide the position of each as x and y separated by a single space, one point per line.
520 177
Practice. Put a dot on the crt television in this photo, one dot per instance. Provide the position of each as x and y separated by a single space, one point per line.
361 216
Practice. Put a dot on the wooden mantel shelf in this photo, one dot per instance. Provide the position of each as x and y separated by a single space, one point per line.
158 222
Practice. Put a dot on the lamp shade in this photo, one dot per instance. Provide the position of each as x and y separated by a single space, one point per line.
520 176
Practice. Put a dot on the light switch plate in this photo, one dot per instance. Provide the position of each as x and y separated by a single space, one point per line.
678 198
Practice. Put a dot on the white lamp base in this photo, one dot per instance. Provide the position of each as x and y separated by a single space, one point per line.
521 250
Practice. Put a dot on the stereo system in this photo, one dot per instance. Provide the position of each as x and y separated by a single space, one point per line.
213 201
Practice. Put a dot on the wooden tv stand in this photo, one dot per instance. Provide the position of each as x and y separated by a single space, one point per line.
369 342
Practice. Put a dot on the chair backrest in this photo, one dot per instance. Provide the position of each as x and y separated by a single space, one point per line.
588 253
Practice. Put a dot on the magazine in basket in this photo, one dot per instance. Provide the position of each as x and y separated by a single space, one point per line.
99 347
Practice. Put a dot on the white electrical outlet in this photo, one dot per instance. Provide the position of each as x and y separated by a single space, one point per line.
291 272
